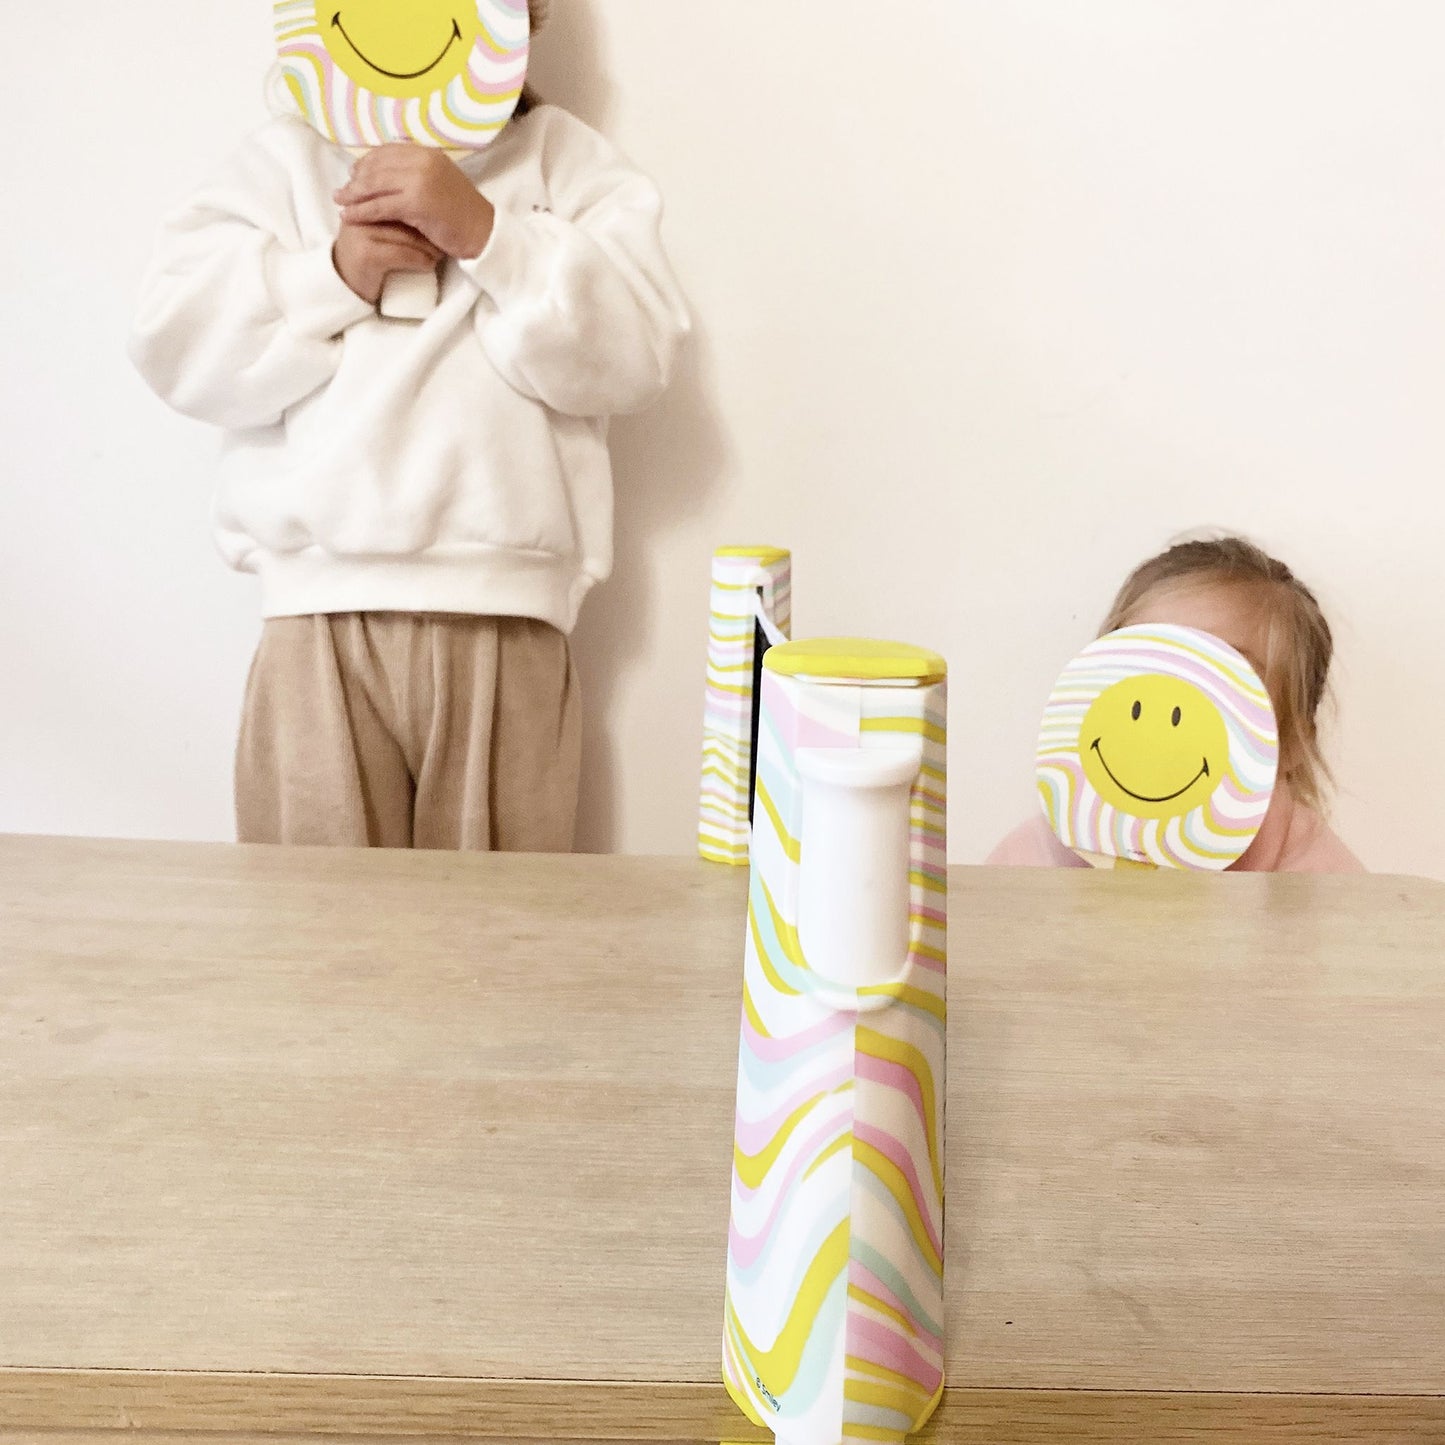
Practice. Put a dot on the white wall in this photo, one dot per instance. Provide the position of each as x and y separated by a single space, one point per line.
991 303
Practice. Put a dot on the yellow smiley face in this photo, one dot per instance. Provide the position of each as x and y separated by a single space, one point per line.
401 48
1153 746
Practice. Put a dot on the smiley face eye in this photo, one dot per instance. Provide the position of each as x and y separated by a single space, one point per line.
1138 708
1178 716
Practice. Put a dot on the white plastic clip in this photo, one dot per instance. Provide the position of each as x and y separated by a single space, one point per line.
853 874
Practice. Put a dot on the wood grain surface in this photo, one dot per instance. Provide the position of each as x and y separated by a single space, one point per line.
429 1146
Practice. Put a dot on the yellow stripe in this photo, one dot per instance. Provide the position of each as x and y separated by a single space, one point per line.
1046 794
896 1184
915 997
468 127
927 882
790 844
882 1372
778 1367
754 1018
722 774
931 731
1216 665
422 109
478 98
723 744
855 659
752 1169
843 1141
857 1292
764 555
744 1402
789 939
880 1046
905 1399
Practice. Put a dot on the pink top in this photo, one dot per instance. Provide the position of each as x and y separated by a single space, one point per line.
1294 839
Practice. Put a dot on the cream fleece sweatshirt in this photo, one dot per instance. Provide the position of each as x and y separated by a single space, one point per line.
458 464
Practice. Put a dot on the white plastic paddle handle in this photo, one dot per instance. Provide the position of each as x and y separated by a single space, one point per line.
854 864
410 295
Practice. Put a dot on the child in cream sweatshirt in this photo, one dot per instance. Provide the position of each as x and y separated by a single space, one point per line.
426 504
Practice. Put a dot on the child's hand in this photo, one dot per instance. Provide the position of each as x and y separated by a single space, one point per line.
414 186
364 256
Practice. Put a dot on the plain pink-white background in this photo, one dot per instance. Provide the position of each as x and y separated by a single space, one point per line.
993 298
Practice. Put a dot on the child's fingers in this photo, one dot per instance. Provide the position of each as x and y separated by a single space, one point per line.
368 213
406 258
370 163
392 151
388 238
385 168
395 233
366 190
379 169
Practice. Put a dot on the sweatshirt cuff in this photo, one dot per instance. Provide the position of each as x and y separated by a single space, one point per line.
313 298
502 264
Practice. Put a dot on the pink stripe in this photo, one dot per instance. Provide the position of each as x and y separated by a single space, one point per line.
730 1360
723 795
746 1248
485 47
864 1278
754 1135
804 731
881 1345
896 1077
772 1051
1202 675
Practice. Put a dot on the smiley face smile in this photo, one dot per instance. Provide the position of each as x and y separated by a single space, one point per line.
1141 797
452 39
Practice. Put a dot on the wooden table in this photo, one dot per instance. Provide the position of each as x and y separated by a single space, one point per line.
424 1147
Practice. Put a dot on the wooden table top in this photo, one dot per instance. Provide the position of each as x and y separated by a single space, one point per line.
428 1145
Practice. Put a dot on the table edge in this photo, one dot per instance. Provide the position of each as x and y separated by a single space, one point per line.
398 1406
120 843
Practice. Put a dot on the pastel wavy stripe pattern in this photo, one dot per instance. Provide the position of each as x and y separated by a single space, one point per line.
1211 836
834 1316
465 114
738 575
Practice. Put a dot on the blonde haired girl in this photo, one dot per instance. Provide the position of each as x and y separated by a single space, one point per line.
1234 590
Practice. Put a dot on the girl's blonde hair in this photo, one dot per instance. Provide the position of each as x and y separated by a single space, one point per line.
1297 645
537 12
